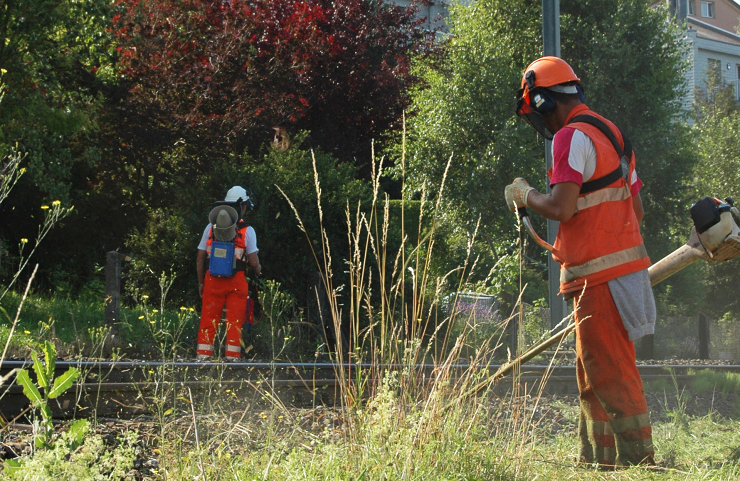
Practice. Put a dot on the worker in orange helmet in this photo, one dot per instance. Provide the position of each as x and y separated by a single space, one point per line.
227 246
596 198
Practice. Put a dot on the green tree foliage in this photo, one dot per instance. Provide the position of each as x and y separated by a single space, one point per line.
51 54
56 59
630 62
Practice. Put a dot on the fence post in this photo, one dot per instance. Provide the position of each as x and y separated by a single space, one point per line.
703 336
514 327
113 290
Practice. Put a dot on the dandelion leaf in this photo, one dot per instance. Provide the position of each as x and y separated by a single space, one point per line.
64 382
29 389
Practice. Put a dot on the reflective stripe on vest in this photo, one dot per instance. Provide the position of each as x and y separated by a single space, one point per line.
598 264
611 194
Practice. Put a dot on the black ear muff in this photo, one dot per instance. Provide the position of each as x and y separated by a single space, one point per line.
540 99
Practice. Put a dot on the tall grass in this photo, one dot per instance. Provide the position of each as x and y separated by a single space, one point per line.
410 407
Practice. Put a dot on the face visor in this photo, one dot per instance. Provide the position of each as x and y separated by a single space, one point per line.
534 119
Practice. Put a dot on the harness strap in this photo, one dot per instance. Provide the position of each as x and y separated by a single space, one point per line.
622 170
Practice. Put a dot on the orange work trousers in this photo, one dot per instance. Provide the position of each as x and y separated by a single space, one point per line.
217 292
614 427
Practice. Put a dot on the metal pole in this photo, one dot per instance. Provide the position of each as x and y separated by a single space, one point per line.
551 46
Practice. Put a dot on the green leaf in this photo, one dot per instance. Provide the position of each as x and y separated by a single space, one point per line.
40 369
12 465
40 442
50 352
5 313
77 431
29 389
64 382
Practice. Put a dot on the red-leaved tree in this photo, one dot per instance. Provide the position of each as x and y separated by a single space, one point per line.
222 74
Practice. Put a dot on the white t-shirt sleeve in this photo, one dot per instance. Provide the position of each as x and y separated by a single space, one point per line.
203 246
251 241
574 157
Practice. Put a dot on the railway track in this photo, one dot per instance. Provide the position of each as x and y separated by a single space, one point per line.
127 388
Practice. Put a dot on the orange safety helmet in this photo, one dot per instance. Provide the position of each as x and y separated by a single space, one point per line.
550 71
534 100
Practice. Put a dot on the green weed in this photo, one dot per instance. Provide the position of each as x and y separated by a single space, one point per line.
706 380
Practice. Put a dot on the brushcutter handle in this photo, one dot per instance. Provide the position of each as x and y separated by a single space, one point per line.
524 217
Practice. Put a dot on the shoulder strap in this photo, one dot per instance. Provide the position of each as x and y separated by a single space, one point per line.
622 170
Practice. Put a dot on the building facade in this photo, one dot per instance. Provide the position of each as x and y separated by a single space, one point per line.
714 43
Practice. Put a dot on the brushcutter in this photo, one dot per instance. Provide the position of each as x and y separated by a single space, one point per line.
715 237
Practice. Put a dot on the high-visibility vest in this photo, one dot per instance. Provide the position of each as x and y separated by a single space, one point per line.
602 240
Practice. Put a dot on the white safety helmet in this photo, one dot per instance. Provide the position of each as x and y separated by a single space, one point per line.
236 193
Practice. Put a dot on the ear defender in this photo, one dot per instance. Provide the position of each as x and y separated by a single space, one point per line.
539 99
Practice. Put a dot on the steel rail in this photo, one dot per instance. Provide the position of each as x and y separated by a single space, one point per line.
127 388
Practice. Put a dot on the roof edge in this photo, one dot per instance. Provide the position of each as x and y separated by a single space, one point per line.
714 29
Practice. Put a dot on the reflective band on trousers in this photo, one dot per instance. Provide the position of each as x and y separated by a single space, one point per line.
236 349
613 194
602 263
205 347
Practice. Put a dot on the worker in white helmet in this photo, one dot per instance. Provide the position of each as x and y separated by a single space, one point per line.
227 246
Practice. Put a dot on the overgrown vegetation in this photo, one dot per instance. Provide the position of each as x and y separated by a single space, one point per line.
352 276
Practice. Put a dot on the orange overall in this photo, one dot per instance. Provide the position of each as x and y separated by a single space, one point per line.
599 243
231 292
614 427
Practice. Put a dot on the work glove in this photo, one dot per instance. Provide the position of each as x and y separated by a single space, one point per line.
516 193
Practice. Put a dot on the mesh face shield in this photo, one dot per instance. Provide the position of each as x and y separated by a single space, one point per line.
534 119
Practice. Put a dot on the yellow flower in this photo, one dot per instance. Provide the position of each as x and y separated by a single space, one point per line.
155 310
44 207
24 241
145 296
191 309
56 202
141 317
286 338
27 332
3 71
183 308
152 322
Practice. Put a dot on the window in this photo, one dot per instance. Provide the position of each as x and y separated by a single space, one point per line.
707 9
691 7
738 71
